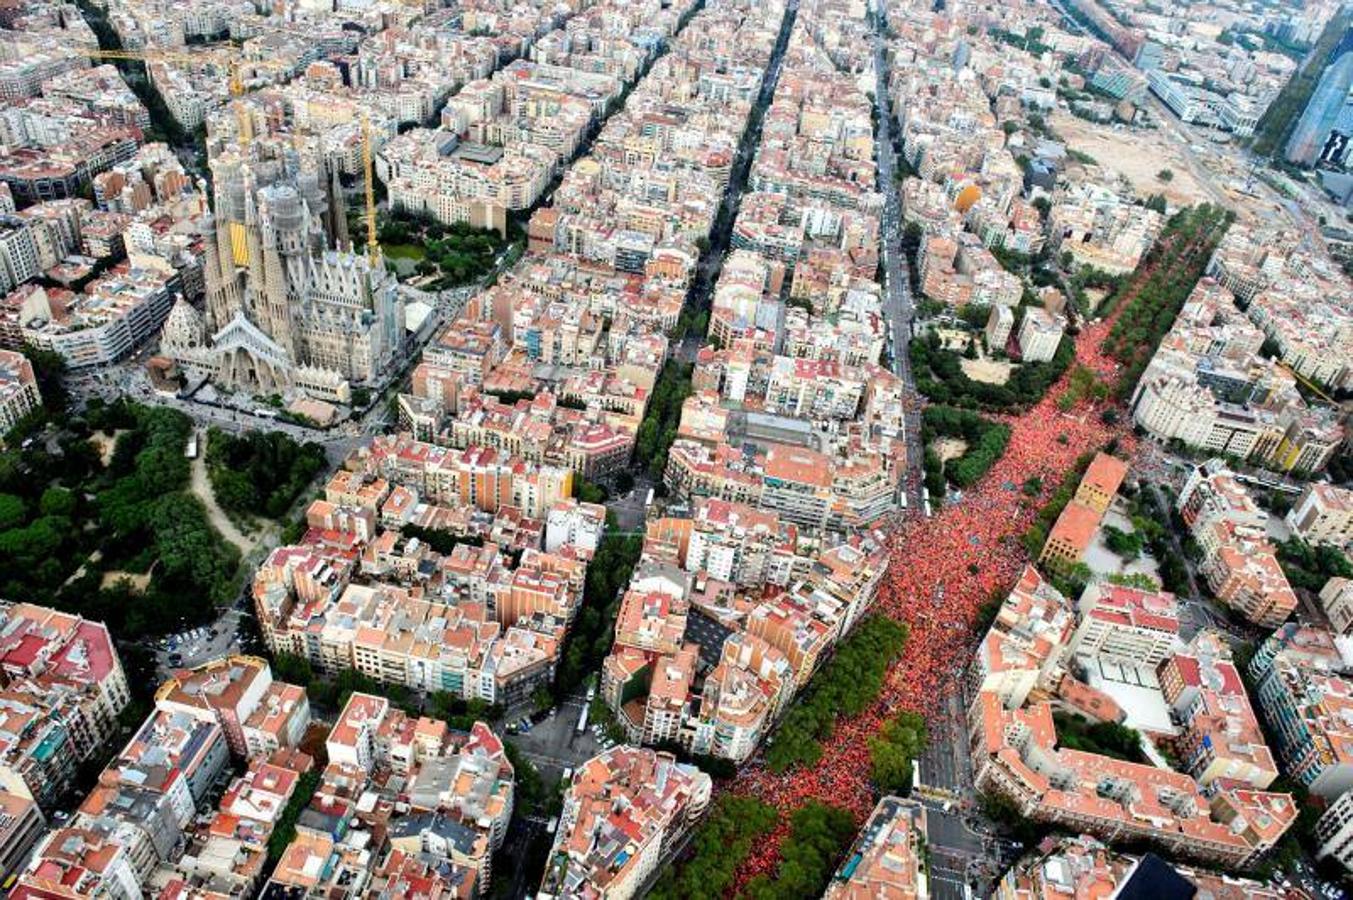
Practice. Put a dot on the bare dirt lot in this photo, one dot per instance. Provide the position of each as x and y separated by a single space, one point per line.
992 371
950 448
106 443
138 581
1095 296
1139 155
953 339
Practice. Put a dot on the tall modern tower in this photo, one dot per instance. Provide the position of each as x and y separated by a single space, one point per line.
1325 108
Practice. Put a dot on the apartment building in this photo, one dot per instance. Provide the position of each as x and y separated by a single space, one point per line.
741 544
1209 386
1015 754
1000 322
1307 701
173 753
1221 737
1026 644
1070 536
625 812
595 441
229 851
724 619
852 487
1323 514
1040 333
1101 481
113 316
1102 229
957 269
64 167
743 696
19 394
1334 831
399 789
484 620
21 826
257 715
19 260
1289 292
1239 563
1216 812
66 687
77 862
886 858
476 476
1129 623
1075 866
1336 598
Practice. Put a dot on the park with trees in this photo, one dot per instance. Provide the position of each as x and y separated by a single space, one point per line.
450 255
1309 567
984 441
98 520
260 473
940 377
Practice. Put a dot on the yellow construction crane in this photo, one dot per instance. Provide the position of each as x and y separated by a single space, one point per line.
373 247
1311 385
234 64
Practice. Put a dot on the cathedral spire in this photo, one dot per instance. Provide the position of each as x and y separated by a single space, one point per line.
338 210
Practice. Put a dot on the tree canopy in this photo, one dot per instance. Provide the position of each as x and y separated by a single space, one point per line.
845 686
819 835
659 427
893 751
260 472
728 834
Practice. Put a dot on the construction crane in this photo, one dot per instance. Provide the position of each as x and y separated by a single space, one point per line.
373 247
1310 385
234 64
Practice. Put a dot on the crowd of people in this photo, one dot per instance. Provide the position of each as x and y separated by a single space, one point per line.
943 570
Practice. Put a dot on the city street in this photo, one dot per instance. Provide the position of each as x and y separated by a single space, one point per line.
957 852
711 261
897 300
555 744
631 507
943 767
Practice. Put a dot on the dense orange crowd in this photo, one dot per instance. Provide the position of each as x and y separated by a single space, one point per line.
943 569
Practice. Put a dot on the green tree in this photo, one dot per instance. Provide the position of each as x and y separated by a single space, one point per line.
845 686
893 750
57 501
819 835
260 473
728 834
11 511
588 492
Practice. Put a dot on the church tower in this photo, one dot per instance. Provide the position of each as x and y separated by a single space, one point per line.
222 280
270 235
338 212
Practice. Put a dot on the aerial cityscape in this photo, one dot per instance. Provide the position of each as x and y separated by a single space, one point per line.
604 449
